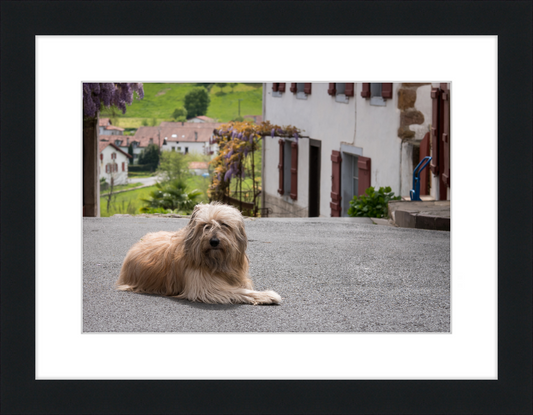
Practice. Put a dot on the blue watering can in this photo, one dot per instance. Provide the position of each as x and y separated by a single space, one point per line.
415 192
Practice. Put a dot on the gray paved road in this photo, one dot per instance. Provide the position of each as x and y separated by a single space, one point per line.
334 274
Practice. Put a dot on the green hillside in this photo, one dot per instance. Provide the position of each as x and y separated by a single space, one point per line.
160 100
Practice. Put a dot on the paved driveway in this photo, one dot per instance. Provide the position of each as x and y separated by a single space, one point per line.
334 274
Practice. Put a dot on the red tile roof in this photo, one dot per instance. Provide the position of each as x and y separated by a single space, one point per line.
181 133
103 144
103 122
198 165
112 127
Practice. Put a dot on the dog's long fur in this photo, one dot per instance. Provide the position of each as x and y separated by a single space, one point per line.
183 264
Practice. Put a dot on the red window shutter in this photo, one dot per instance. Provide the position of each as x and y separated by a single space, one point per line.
101 157
434 163
107 168
293 88
335 203
424 176
364 166
307 88
332 90
386 91
123 166
445 101
280 166
365 91
349 90
294 171
275 87
281 87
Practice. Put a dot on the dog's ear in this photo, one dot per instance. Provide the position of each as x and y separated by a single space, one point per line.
194 213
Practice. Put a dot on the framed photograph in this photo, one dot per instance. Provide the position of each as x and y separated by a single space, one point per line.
71 344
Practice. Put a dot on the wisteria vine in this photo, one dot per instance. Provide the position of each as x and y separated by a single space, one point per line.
236 140
119 94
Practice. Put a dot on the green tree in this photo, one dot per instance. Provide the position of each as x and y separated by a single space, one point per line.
171 196
197 101
221 85
173 165
150 155
130 152
206 86
232 86
180 113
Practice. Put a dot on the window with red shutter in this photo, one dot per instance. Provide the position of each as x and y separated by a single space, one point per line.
281 87
123 166
301 89
294 171
280 165
335 203
386 91
365 90
341 91
364 167
349 90
101 157
275 87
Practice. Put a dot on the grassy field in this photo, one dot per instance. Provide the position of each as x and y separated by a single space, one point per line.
130 203
160 101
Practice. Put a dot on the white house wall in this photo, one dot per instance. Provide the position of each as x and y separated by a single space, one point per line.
120 177
322 119
371 131
194 147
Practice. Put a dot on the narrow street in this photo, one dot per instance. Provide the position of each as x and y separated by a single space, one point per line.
334 275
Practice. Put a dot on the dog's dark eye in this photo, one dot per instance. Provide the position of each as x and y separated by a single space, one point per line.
226 226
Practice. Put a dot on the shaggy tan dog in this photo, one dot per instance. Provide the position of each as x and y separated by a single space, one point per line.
205 261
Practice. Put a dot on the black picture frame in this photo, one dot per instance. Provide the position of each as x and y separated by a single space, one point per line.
511 21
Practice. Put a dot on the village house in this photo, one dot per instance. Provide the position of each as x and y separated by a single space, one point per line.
199 168
176 136
106 128
356 135
113 165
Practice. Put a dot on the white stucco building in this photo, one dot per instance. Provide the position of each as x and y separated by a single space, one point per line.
113 164
177 136
356 135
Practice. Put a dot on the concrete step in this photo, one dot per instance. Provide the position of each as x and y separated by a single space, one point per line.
432 215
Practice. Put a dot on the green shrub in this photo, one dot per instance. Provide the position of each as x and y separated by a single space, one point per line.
373 204
140 167
171 195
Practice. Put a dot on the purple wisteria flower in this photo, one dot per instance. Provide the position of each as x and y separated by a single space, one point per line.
119 94
272 132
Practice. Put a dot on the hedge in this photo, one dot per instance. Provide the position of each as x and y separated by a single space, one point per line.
141 167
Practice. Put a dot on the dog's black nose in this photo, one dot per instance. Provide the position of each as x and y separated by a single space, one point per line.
214 242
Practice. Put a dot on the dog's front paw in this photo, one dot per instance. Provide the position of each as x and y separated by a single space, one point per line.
268 297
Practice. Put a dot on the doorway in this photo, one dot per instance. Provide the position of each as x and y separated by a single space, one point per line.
314 178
